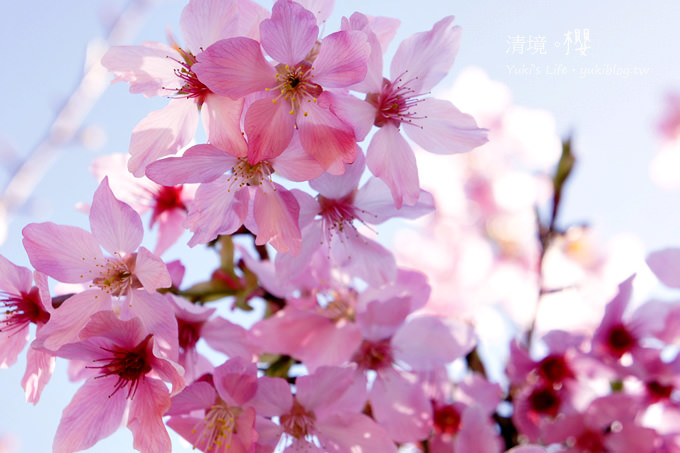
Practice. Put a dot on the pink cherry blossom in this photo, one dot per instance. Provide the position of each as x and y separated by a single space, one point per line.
420 62
23 304
126 372
226 420
233 192
331 231
293 91
125 282
155 69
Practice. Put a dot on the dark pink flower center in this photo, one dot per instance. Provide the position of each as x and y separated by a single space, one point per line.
590 442
337 212
446 419
620 340
167 199
19 310
191 88
298 422
554 369
545 401
396 103
374 355
659 391
189 333
130 365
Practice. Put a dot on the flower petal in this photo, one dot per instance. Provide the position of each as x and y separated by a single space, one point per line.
290 33
162 132
95 412
342 59
443 129
269 126
199 164
205 21
234 67
63 252
390 158
116 226
426 57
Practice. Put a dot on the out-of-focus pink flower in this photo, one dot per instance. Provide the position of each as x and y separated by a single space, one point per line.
125 282
23 304
126 371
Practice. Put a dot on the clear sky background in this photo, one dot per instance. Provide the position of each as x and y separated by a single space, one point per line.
612 117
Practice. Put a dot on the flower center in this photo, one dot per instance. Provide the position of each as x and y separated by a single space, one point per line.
217 427
299 422
374 355
189 333
545 400
336 213
554 369
19 310
446 419
116 276
167 198
130 365
620 340
296 85
246 174
191 88
395 103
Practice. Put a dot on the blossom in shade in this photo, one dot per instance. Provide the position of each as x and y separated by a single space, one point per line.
21 304
125 282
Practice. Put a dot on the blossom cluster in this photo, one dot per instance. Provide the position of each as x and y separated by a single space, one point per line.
353 352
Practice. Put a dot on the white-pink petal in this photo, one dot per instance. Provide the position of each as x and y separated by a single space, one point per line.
276 214
269 126
426 57
161 133
439 342
666 266
149 68
443 129
39 368
349 433
222 120
204 22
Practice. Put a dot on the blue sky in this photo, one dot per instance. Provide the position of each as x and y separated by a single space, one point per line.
610 96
